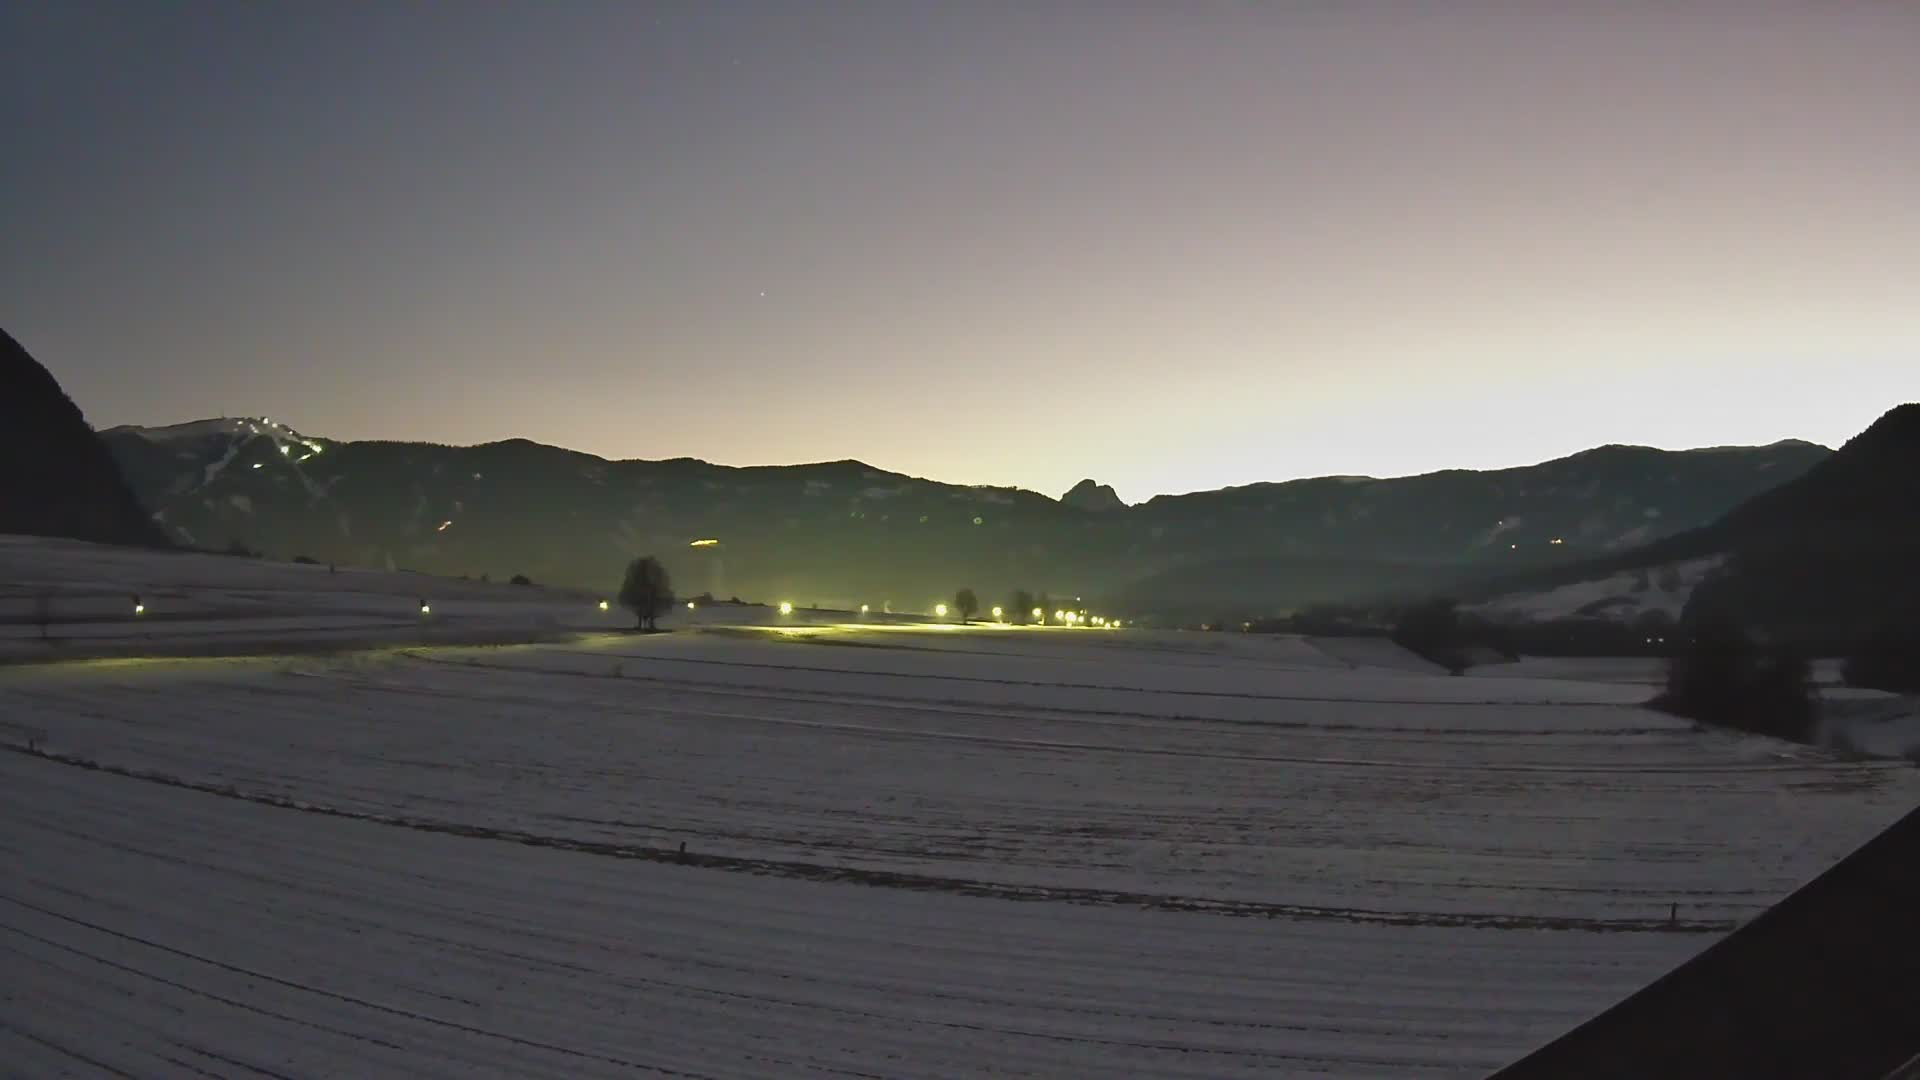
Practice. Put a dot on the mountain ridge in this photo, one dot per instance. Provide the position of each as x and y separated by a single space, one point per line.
1821 558
1789 442
846 531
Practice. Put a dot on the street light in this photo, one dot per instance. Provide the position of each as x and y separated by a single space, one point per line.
603 605
689 605
997 612
940 610
786 607
1039 616
863 609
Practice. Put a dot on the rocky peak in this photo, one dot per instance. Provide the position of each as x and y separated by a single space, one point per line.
1087 495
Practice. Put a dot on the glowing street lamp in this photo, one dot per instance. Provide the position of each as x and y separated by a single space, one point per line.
1039 616
689 605
138 607
603 605
426 609
786 607
863 609
997 612
940 610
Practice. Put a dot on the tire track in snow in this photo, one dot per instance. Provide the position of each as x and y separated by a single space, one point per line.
964 708
807 871
1067 746
1246 695
291 984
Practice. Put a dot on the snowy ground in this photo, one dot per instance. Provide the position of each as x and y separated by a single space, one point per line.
912 851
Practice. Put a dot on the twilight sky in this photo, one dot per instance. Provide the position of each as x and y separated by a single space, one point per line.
1170 245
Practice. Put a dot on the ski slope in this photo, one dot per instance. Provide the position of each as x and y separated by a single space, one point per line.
910 850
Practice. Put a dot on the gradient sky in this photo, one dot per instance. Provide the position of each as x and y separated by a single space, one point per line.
1170 246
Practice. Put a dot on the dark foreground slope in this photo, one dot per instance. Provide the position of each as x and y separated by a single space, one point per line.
1835 554
56 476
1824 984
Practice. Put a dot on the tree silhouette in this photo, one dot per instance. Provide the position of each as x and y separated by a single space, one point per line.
647 591
1723 677
1020 605
966 604
1045 604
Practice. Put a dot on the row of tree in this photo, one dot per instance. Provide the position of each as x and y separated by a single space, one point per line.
1019 608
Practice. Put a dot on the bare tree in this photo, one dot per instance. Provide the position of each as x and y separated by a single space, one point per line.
647 591
966 604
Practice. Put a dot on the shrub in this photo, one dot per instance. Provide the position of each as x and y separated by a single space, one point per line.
306 560
521 579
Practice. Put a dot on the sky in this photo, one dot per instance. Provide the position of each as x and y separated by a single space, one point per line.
1169 246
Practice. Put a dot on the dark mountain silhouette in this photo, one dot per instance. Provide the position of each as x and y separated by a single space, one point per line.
1832 555
1824 558
56 476
1088 495
846 532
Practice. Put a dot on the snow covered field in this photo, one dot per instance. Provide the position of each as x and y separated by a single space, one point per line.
910 850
